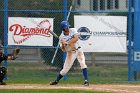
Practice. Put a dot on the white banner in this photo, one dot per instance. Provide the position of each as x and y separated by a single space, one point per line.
30 31
102 33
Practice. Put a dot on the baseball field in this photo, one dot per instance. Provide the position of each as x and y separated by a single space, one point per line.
35 78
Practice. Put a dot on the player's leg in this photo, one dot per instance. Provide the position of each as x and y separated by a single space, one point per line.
81 60
3 72
71 56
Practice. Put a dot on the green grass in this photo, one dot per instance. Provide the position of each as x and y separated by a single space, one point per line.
41 74
46 91
38 73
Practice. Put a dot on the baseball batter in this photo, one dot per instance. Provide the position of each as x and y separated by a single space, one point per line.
69 43
3 70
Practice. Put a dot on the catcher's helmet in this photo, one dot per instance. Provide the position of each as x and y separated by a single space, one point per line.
64 25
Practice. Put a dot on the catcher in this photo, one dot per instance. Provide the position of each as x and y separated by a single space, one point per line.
69 43
3 70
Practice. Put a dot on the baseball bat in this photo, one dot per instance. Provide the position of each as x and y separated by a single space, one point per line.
59 41
33 21
55 35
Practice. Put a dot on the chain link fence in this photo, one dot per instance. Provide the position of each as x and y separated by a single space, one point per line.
39 58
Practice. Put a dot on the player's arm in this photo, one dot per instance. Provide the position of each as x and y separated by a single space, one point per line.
62 43
12 56
73 40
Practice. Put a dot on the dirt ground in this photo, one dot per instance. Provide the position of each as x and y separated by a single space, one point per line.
97 87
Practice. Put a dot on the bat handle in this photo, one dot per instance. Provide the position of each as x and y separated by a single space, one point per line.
53 34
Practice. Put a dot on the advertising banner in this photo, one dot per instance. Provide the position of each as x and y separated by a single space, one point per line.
102 33
30 31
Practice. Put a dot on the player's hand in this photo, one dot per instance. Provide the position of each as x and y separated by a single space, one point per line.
64 43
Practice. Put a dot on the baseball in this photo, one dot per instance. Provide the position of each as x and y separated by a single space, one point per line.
89 43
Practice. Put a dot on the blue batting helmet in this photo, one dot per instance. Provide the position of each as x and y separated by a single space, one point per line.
64 25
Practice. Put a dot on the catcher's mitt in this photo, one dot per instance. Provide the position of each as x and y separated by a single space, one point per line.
15 53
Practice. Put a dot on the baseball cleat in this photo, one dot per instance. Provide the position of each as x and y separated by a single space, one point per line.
86 83
3 83
54 83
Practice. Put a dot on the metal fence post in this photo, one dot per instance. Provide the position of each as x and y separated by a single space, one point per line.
5 30
136 55
65 17
130 39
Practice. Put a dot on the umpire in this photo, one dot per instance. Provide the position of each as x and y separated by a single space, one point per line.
3 70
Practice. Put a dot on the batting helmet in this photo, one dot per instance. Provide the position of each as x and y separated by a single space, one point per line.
64 25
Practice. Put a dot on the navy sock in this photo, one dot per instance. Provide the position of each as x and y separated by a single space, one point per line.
58 77
85 73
